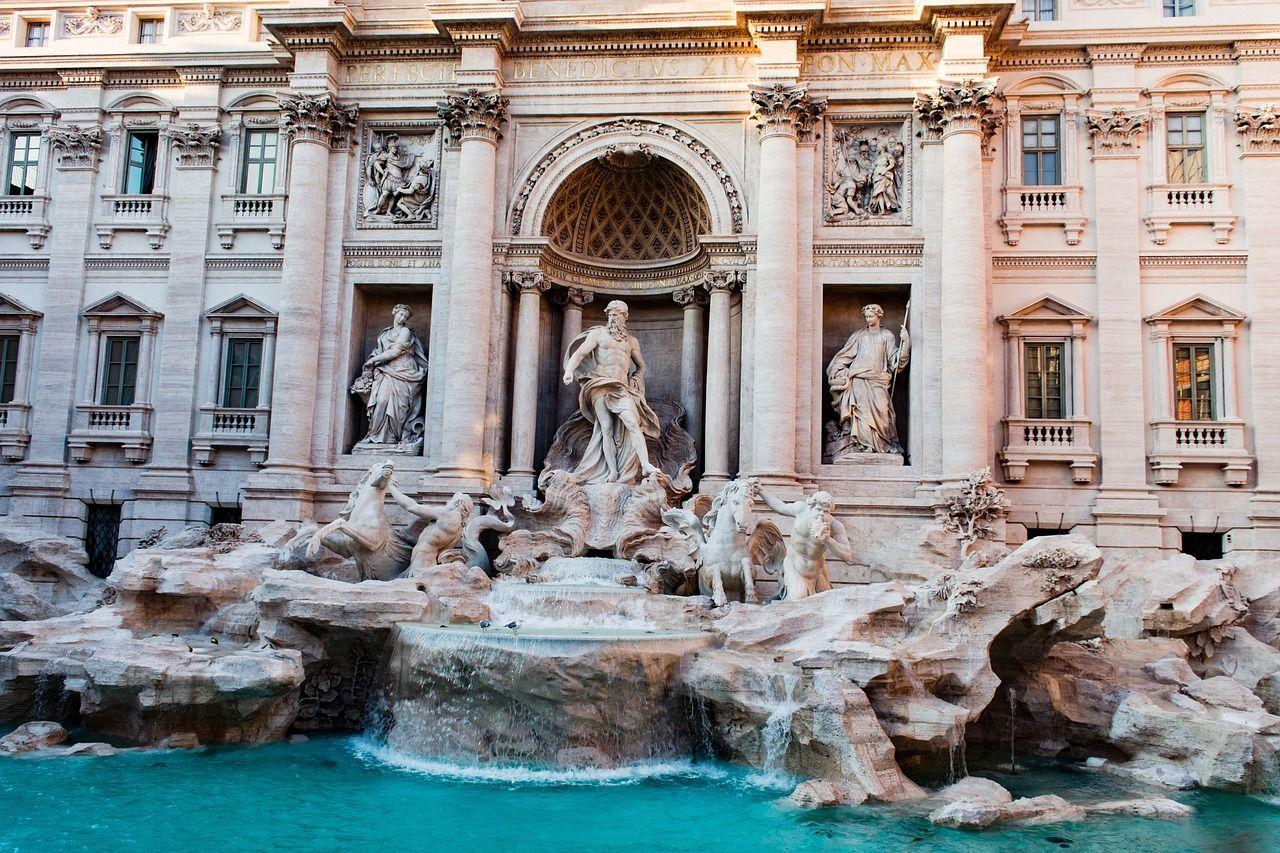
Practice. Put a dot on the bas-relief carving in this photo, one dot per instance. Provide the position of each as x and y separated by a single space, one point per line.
866 172
391 385
400 177
861 379
209 19
93 23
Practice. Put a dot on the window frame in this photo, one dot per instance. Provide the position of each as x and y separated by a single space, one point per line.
146 180
155 38
10 364
248 161
45 24
1063 345
1181 117
1193 344
106 385
229 365
1040 151
30 168
1037 10
1178 8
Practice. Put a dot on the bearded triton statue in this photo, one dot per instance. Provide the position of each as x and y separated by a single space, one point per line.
606 362
861 379
391 385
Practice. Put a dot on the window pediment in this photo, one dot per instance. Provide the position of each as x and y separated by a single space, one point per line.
1197 309
1047 308
240 306
12 309
121 307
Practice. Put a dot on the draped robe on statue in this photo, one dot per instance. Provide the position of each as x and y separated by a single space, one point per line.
395 399
618 396
860 376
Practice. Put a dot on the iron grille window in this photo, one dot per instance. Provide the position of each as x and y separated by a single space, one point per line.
1039 10
259 174
1179 8
1202 546
8 366
1193 382
1040 151
1185 143
38 34
140 162
244 369
102 537
224 515
24 158
120 371
1044 380
149 31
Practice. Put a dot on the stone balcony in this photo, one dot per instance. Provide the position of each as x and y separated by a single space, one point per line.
127 427
1178 443
1025 206
148 213
29 213
244 212
1189 204
1056 440
15 435
220 428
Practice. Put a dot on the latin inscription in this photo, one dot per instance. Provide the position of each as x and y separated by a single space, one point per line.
398 73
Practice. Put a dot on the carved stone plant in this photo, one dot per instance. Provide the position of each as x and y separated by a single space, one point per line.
973 512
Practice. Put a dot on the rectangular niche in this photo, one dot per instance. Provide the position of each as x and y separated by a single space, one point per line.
371 313
399 183
842 306
866 169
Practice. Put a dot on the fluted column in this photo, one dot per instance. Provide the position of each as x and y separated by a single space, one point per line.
782 112
962 112
524 395
573 300
314 124
692 365
475 116
720 397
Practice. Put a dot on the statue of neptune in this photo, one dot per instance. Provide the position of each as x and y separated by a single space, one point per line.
612 400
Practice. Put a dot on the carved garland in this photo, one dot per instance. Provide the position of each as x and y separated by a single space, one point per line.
635 127
93 23
76 147
1259 128
195 146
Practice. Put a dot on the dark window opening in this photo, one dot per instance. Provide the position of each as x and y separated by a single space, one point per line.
244 369
102 537
224 515
120 372
8 366
140 162
1203 546
1037 532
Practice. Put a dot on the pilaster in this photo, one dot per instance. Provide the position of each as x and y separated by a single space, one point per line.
529 287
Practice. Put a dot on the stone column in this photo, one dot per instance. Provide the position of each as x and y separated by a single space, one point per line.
1126 512
962 113
720 396
475 115
782 112
164 489
692 363
573 300
42 481
1259 200
314 123
524 394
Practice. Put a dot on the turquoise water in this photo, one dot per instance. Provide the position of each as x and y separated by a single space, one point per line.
341 794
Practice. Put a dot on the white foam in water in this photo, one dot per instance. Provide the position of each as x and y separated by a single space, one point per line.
628 774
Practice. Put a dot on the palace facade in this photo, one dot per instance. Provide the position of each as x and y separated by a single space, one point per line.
1071 206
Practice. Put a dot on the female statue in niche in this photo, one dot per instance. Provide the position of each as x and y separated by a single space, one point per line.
860 378
391 385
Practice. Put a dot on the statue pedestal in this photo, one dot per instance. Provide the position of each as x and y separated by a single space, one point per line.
370 448
853 457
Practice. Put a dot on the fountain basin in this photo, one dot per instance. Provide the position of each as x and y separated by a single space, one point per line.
580 696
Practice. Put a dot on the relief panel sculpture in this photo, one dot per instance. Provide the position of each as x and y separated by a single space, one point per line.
400 176
866 171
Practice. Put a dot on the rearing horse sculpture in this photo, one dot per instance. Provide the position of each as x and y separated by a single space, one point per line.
362 532
728 542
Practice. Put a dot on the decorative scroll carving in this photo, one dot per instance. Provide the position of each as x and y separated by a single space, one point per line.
519 280
634 127
689 295
93 23
725 280
473 113
784 109
400 177
957 107
76 146
1116 130
316 118
195 146
575 296
867 172
1259 129
210 19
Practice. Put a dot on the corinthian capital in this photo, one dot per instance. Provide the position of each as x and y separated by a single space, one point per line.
317 118
195 146
76 146
958 107
784 109
1259 129
473 113
1116 131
